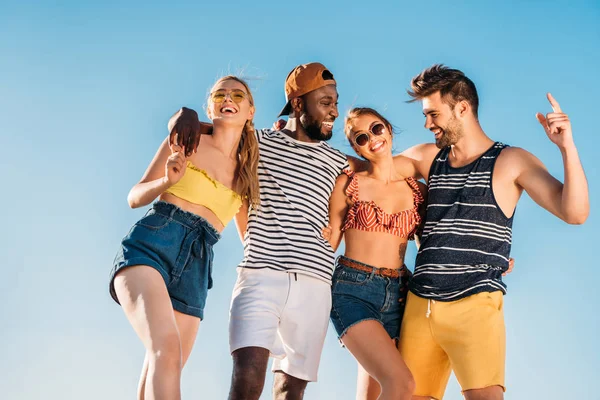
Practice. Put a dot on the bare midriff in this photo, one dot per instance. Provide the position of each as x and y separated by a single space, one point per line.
378 249
199 210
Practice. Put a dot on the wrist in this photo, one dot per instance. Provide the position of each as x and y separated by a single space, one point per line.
165 183
568 149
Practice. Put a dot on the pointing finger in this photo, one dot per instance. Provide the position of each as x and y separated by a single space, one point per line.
553 103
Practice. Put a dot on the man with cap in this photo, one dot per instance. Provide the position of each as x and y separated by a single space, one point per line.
282 297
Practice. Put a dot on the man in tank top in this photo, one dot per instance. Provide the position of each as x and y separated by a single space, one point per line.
454 318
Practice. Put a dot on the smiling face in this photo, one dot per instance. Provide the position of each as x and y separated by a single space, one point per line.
230 103
319 112
369 135
441 119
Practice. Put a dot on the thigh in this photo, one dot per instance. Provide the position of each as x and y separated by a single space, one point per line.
476 340
423 355
143 295
250 363
303 327
257 301
372 347
188 329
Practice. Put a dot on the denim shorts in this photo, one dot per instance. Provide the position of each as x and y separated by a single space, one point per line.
361 296
179 245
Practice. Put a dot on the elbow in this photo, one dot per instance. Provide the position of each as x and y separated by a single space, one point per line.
578 218
133 201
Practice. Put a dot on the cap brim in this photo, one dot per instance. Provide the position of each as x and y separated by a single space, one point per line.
286 110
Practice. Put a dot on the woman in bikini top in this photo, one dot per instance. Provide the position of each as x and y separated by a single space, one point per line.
376 212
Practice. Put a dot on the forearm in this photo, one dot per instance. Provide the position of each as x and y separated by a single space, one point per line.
336 239
144 193
575 203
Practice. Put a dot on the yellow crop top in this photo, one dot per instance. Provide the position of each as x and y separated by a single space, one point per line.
197 187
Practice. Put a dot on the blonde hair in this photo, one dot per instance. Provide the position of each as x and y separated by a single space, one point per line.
246 173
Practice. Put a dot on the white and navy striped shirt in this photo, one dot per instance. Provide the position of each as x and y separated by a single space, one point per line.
296 180
466 240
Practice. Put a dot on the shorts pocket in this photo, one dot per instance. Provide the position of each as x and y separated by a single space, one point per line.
496 299
351 276
154 221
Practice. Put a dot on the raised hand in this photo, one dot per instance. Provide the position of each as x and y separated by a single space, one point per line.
185 130
176 163
556 124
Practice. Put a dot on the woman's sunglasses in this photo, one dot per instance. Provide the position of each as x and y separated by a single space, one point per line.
363 138
236 95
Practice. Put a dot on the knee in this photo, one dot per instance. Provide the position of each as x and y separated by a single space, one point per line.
247 381
288 387
166 349
400 386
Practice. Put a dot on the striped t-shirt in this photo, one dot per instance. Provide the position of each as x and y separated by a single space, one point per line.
296 180
466 240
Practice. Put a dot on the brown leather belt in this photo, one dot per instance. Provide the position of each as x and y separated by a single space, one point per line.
386 272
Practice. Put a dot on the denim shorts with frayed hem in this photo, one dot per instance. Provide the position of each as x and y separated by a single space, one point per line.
179 245
359 296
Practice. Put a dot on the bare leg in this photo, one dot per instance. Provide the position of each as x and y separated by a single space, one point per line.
367 388
249 370
488 393
372 347
287 387
143 375
187 326
143 295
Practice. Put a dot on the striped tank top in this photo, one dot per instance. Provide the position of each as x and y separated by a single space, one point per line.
466 240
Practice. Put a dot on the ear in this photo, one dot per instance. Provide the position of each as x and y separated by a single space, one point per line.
463 108
208 113
251 112
297 105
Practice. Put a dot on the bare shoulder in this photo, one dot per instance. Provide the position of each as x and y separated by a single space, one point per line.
514 157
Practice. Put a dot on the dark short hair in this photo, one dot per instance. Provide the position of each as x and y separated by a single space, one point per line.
452 84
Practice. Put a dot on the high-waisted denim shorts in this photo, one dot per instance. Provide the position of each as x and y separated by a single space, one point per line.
179 245
361 296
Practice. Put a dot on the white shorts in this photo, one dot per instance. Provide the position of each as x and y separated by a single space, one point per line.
285 313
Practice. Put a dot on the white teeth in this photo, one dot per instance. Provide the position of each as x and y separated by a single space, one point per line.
376 146
226 109
328 124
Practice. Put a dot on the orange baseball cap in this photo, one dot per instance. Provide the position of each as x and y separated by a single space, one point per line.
303 79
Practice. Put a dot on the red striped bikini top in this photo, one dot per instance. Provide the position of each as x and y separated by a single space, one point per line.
368 216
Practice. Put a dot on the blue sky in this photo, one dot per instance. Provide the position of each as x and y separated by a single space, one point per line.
85 94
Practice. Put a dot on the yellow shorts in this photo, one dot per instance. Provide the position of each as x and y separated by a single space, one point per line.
466 336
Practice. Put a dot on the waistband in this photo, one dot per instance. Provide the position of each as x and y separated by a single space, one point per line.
401 272
191 220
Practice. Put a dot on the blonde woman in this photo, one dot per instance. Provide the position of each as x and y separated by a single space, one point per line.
162 271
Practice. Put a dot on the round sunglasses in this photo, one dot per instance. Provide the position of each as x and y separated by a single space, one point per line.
237 95
363 138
